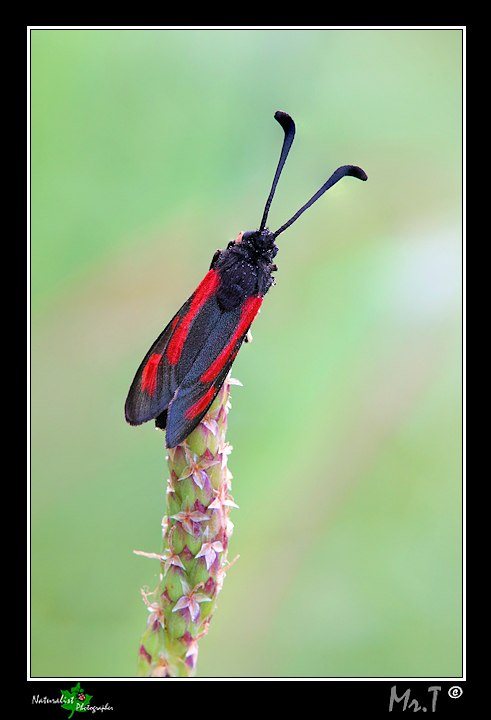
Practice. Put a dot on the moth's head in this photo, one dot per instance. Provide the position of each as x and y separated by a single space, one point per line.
260 240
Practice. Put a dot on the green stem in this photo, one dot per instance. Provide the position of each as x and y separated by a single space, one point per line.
196 531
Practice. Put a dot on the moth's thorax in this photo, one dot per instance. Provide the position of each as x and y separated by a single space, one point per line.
245 267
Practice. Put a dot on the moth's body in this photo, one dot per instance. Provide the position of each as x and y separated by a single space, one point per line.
245 268
186 366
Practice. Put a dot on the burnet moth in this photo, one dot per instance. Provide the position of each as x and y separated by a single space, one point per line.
186 366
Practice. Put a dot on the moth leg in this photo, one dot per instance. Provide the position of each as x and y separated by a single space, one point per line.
215 259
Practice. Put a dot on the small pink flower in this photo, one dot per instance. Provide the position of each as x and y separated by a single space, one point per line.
197 467
170 558
222 499
209 550
188 517
191 600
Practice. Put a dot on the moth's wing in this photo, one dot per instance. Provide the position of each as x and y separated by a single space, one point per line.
151 390
172 355
202 382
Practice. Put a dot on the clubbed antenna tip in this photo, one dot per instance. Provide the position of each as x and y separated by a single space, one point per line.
288 126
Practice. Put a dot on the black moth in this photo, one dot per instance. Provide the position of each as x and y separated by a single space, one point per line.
186 366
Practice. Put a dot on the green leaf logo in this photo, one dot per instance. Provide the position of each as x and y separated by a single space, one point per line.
75 700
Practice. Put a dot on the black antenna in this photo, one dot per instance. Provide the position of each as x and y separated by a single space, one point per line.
341 172
288 126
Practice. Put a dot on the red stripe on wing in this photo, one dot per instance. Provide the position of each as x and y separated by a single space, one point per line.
205 289
149 374
200 405
249 312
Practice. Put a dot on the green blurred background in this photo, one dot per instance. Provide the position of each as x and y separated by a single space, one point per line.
150 150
